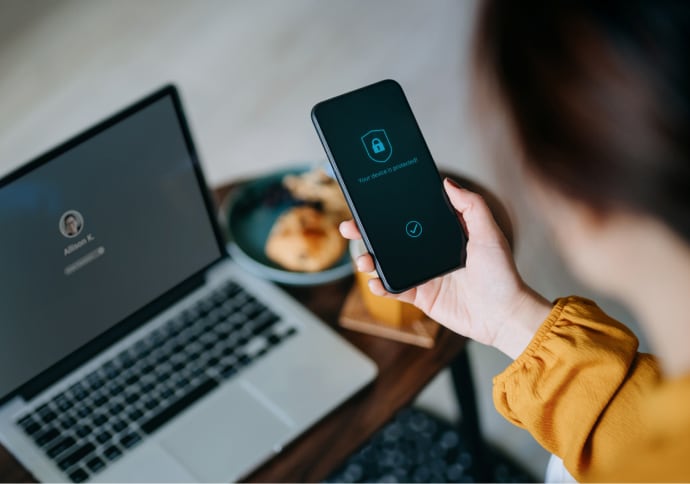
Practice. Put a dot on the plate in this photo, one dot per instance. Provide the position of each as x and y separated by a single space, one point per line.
248 216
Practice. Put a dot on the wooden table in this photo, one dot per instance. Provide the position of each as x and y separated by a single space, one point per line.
404 371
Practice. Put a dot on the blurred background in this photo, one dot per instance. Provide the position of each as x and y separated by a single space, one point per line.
249 72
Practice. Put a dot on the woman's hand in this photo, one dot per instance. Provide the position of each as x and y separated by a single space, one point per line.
486 300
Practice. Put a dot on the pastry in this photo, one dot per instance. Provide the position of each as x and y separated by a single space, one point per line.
305 239
316 186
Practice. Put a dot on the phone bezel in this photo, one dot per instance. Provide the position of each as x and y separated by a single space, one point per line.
379 269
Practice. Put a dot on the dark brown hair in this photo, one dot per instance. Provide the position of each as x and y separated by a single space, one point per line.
597 95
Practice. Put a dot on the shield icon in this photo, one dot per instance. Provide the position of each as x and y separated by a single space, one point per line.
377 145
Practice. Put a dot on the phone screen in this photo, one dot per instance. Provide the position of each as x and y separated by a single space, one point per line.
391 183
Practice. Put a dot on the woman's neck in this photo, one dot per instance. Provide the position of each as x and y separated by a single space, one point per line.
659 295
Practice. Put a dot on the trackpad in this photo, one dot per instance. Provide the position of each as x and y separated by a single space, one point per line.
225 435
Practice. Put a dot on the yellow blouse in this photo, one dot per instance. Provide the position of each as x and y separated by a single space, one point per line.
586 394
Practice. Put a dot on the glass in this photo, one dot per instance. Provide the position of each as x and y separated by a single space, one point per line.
384 309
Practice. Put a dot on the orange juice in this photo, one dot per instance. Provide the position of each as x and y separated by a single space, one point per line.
384 309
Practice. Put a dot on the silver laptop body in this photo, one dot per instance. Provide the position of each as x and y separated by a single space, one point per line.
202 380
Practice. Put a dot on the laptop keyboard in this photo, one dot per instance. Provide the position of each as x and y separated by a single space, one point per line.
112 409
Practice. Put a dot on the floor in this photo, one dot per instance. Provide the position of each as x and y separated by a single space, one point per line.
418 446
249 72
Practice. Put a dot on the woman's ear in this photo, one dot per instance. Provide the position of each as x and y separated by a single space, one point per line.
584 236
559 211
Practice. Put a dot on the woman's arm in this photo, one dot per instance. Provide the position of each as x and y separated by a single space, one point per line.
577 379
578 387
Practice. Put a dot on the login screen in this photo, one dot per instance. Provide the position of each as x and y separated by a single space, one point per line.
392 184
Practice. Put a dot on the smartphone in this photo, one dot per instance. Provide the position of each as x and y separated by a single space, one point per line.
391 184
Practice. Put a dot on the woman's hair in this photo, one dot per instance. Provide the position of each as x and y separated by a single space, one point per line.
597 95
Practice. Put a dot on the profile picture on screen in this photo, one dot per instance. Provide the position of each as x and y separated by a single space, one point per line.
71 223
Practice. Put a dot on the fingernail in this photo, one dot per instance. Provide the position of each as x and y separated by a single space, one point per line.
452 182
360 264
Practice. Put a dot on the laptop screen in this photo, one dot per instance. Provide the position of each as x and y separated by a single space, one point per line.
95 233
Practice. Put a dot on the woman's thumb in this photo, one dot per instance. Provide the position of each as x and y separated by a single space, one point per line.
471 207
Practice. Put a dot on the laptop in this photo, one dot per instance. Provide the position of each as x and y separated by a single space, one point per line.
131 347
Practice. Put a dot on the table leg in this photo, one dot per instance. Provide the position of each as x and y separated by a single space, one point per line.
463 385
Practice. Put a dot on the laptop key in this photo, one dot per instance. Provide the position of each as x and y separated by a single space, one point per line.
208 337
63 403
110 370
84 411
181 382
132 379
273 339
95 464
116 408
114 389
67 422
94 380
126 360
25 420
205 305
49 416
100 400
135 414
100 419
236 319
78 475
214 316
103 437
173 410
46 437
265 322
228 371
147 386
119 425
253 310
43 409
208 346
231 288
76 456
255 346
261 352
130 440
151 403
141 347
167 393
163 367
82 431
112 452
157 337
61 446
219 296
29 425
78 392
197 372
32 427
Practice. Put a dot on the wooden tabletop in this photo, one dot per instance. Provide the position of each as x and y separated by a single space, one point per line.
404 370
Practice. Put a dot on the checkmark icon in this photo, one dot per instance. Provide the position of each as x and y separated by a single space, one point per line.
413 229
